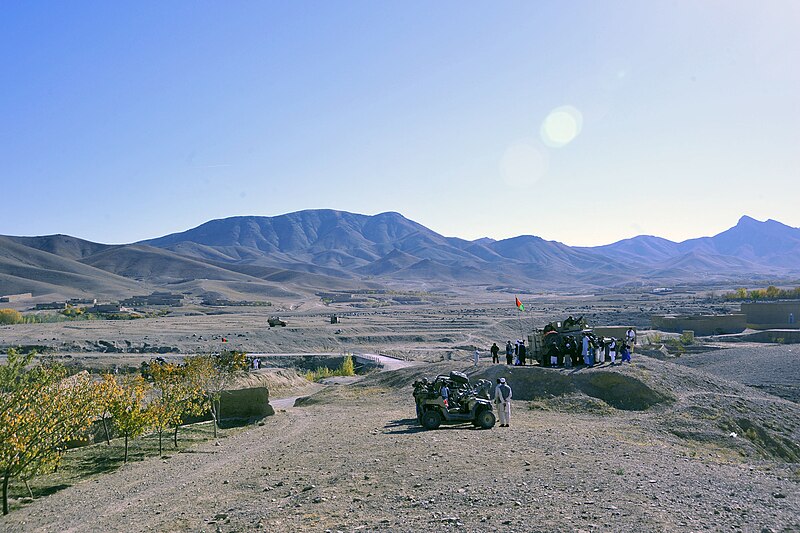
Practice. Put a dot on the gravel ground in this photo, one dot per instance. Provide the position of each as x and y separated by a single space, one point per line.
353 459
772 368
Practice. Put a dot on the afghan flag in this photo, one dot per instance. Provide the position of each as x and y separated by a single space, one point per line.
224 339
519 304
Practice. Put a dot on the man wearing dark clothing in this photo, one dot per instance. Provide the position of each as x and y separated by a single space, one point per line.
509 353
495 351
522 352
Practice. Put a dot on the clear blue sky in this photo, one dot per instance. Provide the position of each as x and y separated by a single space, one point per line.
582 122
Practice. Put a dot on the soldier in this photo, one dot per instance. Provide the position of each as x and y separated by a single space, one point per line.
502 398
495 350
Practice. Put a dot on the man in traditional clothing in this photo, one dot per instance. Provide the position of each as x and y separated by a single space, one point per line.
585 350
502 398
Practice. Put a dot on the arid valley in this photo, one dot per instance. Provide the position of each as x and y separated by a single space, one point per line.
698 447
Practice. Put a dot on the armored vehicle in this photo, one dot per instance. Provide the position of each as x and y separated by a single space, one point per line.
465 403
276 321
559 339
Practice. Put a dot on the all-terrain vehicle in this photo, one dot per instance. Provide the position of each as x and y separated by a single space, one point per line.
465 403
276 321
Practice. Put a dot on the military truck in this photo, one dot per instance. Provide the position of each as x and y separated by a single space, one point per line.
274 321
466 404
558 339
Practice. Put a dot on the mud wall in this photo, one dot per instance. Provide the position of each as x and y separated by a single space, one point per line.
245 403
771 315
701 324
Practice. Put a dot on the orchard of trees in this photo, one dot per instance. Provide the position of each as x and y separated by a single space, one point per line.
43 409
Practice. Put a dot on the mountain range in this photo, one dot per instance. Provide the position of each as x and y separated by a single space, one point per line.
252 257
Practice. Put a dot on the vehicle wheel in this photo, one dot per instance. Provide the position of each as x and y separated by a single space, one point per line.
486 419
431 420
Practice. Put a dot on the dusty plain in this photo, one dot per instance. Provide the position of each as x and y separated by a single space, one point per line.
658 445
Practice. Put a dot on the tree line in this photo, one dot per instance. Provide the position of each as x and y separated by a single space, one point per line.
770 293
43 408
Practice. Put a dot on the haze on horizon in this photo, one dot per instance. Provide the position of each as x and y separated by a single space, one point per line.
584 123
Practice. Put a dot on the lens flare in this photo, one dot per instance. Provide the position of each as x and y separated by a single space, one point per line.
561 126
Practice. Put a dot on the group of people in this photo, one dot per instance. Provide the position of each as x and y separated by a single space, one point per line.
595 351
516 354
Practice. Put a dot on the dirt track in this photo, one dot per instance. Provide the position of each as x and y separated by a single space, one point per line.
352 459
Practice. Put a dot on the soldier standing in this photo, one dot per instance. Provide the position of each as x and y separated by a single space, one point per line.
523 352
502 398
495 351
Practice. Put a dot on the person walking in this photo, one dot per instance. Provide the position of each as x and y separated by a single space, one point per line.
509 353
495 351
502 398
630 338
476 357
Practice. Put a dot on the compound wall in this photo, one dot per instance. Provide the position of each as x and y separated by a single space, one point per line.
771 315
701 324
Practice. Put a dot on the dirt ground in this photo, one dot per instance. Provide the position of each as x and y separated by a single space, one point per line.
654 446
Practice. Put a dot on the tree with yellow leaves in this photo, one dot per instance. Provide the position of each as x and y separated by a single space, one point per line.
176 396
107 391
211 374
41 409
10 316
129 409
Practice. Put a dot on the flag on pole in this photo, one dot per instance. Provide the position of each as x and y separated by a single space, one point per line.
519 304
224 339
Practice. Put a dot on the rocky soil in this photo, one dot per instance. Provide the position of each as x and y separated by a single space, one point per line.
772 368
352 458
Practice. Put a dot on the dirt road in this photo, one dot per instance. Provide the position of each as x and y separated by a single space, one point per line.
353 459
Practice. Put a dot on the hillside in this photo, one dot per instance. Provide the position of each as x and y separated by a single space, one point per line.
326 249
